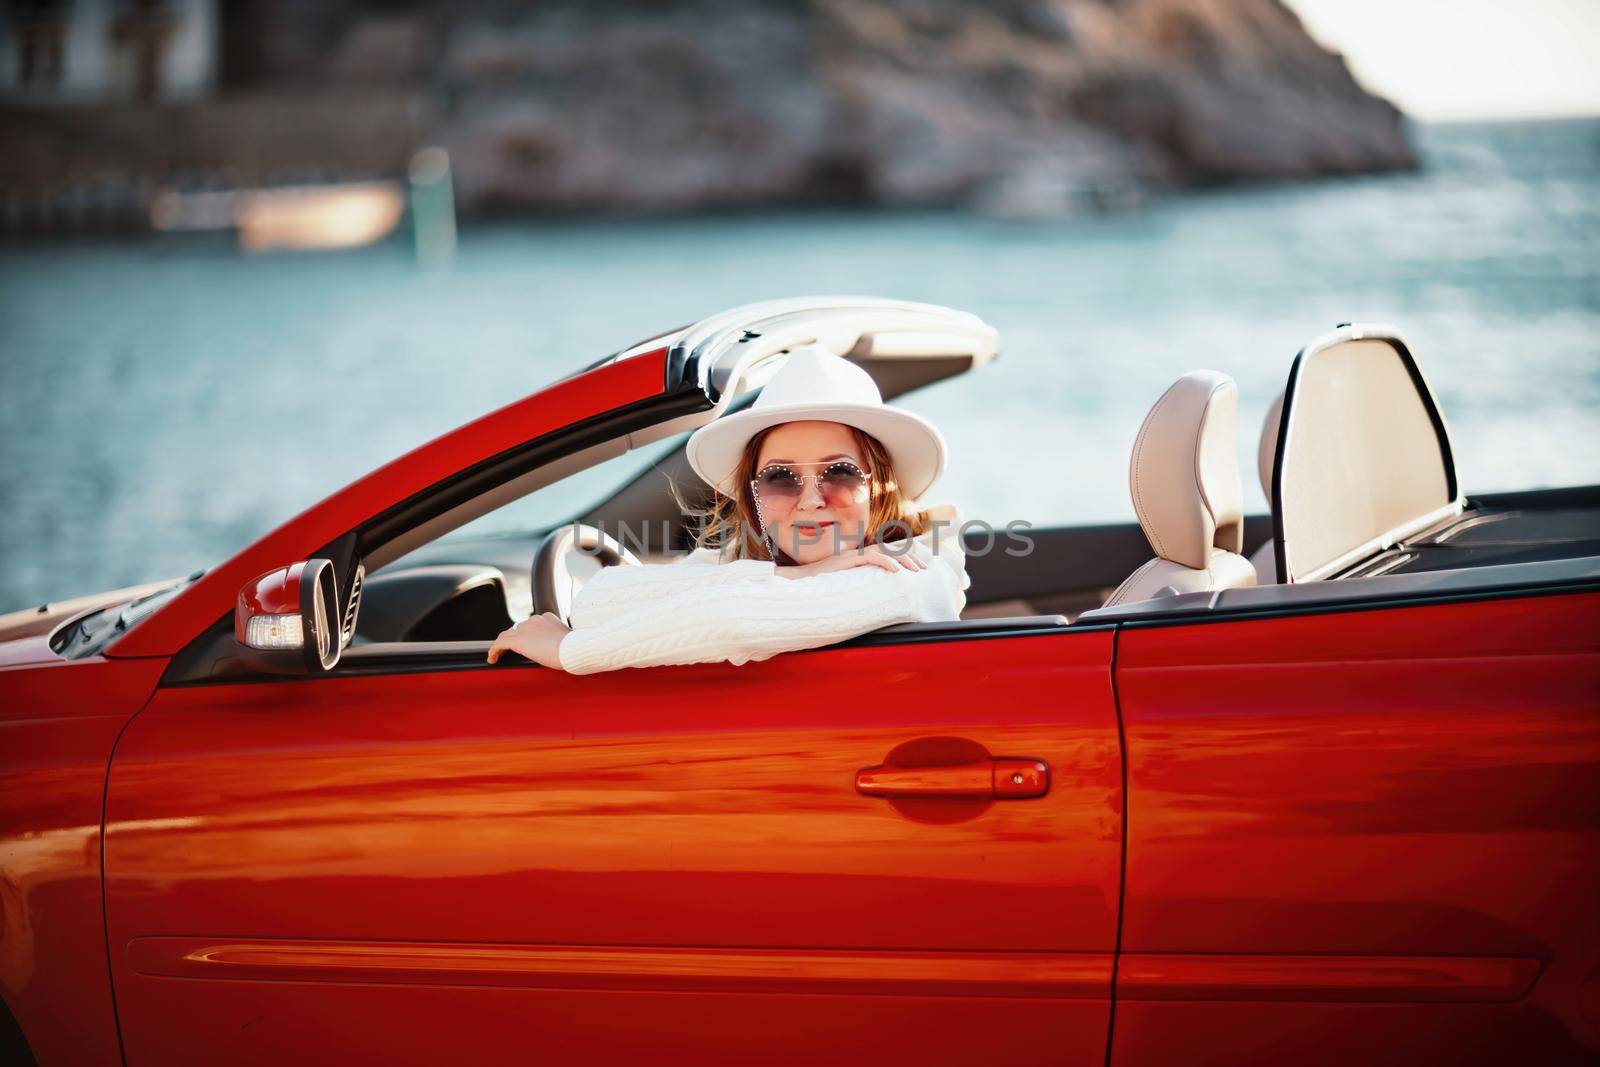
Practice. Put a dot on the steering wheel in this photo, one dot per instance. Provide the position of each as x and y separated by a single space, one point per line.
554 584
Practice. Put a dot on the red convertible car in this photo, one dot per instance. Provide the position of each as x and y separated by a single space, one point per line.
1138 806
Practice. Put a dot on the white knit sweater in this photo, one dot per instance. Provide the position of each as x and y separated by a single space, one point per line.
703 610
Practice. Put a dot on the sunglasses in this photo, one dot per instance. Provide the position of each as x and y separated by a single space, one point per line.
840 483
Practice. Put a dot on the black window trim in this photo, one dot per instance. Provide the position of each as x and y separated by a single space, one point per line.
1468 584
469 655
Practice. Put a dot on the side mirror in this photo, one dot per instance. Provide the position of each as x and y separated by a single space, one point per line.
290 618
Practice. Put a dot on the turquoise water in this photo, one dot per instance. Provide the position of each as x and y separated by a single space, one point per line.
164 401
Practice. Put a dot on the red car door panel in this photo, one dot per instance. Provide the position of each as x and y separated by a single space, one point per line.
1368 836
58 724
492 864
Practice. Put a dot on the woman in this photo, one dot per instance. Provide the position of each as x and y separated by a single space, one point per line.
812 486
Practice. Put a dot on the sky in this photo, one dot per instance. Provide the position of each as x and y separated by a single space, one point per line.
1467 59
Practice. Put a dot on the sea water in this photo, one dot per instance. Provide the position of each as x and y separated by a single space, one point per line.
166 400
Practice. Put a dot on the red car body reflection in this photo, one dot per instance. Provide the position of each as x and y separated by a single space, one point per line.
1336 816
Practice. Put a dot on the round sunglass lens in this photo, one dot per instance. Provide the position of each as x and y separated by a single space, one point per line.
779 483
845 482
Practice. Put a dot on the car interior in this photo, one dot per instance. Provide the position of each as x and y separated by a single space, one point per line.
1355 456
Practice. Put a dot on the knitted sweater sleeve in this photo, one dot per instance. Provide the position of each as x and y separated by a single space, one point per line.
743 612
616 591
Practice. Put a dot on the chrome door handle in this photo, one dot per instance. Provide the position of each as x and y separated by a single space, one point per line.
1002 779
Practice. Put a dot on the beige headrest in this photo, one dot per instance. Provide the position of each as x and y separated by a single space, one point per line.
1267 450
1184 476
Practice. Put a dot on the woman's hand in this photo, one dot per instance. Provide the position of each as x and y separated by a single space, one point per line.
538 638
871 556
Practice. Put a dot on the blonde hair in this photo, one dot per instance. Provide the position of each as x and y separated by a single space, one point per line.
730 523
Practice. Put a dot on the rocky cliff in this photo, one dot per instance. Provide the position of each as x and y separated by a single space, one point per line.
672 105
895 102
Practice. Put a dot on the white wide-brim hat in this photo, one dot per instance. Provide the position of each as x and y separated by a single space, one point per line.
817 384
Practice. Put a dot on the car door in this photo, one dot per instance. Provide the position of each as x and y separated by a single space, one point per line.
431 861
1363 836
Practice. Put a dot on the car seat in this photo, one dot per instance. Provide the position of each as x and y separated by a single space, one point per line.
1184 479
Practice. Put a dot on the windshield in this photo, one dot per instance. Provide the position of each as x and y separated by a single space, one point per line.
564 500
136 611
94 631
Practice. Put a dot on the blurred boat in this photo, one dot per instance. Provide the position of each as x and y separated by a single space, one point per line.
345 215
